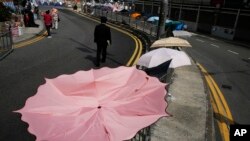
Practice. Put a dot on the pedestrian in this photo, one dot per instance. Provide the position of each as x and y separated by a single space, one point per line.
36 12
48 22
26 20
55 18
102 37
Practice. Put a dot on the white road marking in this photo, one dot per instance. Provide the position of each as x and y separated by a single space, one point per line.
203 36
212 39
215 45
233 52
200 40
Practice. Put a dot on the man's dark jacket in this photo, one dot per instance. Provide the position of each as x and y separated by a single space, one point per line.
102 34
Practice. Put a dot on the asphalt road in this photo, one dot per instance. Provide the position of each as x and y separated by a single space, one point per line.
71 49
229 65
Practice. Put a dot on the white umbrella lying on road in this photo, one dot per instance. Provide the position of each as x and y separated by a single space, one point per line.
181 33
161 55
171 42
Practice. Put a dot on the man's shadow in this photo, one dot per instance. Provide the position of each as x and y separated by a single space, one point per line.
91 58
87 49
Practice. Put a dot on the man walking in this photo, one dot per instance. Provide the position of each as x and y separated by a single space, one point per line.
102 37
48 22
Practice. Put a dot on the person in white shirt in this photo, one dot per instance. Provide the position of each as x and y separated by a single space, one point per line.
55 18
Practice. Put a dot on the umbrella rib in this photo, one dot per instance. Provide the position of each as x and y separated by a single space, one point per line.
143 85
51 84
80 117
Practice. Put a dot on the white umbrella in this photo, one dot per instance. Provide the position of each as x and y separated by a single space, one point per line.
161 55
156 18
171 42
181 33
153 18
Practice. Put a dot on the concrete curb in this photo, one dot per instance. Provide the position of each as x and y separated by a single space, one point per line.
30 32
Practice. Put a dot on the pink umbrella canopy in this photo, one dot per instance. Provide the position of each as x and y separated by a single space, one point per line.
108 104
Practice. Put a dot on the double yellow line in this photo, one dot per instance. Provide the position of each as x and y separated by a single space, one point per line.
31 41
219 104
138 48
138 44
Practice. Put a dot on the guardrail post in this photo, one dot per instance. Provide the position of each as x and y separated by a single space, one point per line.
143 26
11 38
152 8
116 17
179 18
129 20
111 15
236 20
197 18
6 44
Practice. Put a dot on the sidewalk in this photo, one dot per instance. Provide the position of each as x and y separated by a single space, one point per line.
30 32
188 104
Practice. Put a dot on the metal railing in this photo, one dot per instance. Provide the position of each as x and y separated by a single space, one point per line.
142 135
6 43
138 24
195 15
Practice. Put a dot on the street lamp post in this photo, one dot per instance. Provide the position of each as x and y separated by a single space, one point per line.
162 18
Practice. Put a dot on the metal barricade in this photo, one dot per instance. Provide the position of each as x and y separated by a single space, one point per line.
142 135
139 24
6 44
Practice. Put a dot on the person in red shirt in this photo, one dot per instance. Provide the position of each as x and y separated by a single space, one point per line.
26 20
48 22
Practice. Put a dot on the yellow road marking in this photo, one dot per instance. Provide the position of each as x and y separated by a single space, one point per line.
138 44
136 40
25 43
219 105
140 51
220 111
223 100
220 124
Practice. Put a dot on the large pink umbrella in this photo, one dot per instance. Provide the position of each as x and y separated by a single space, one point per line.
108 104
